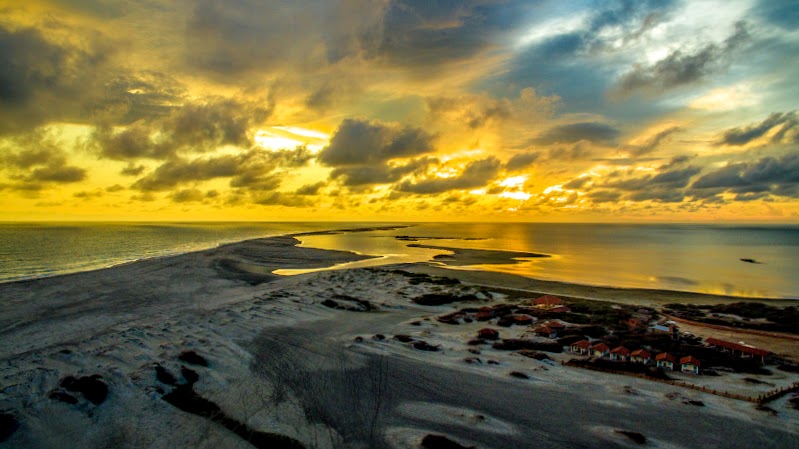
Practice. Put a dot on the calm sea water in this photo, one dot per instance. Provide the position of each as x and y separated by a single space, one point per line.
698 258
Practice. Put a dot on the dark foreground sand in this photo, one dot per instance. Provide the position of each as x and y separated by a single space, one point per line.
272 361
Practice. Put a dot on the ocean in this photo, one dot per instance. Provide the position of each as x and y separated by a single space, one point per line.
695 258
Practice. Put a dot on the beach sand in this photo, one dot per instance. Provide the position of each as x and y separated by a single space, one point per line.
210 349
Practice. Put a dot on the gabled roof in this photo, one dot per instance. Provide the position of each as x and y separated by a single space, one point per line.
737 347
641 353
582 344
547 300
689 360
544 330
620 350
666 356
554 325
600 347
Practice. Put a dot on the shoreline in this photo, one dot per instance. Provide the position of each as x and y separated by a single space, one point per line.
455 265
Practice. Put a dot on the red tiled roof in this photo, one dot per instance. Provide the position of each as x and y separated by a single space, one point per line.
641 353
689 359
600 347
554 324
620 350
547 300
737 347
666 356
582 344
559 309
544 330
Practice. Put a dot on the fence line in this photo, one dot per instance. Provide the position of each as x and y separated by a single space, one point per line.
761 399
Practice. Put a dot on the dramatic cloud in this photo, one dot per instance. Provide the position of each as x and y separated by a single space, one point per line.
599 133
252 170
779 175
680 68
521 161
475 174
653 142
358 141
39 163
788 121
190 128
42 80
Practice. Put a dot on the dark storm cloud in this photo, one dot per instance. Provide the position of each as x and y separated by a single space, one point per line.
521 161
240 36
380 173
357 142
251 170
777 174
422 33
187 195
741 136
41 80
680 68
62 174
310 189
193 127
476 174
598 133
41 161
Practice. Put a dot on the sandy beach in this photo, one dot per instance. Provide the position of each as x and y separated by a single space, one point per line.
211 349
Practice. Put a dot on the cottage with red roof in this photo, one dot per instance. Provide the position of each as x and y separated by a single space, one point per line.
547 302
640 356
600 350
546 332
619 354
580 347
665 360
689 364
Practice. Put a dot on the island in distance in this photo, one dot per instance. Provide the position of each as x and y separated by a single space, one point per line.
209 349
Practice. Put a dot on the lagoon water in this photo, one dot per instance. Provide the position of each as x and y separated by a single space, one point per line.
697 258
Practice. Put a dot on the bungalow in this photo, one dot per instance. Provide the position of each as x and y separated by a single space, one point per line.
547 332
689 364
580 347
640 356
600 350
743 350
547 302
665 360
619 354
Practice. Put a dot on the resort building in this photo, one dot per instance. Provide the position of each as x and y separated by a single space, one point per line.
743 350
689 364
640 356
619 354
600 350
667 328
580 347
665 360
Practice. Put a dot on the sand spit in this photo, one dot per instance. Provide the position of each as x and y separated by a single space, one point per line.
210 349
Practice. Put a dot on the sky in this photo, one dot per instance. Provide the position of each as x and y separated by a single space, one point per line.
400 110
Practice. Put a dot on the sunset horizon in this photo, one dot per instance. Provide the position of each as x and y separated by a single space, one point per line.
399 111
